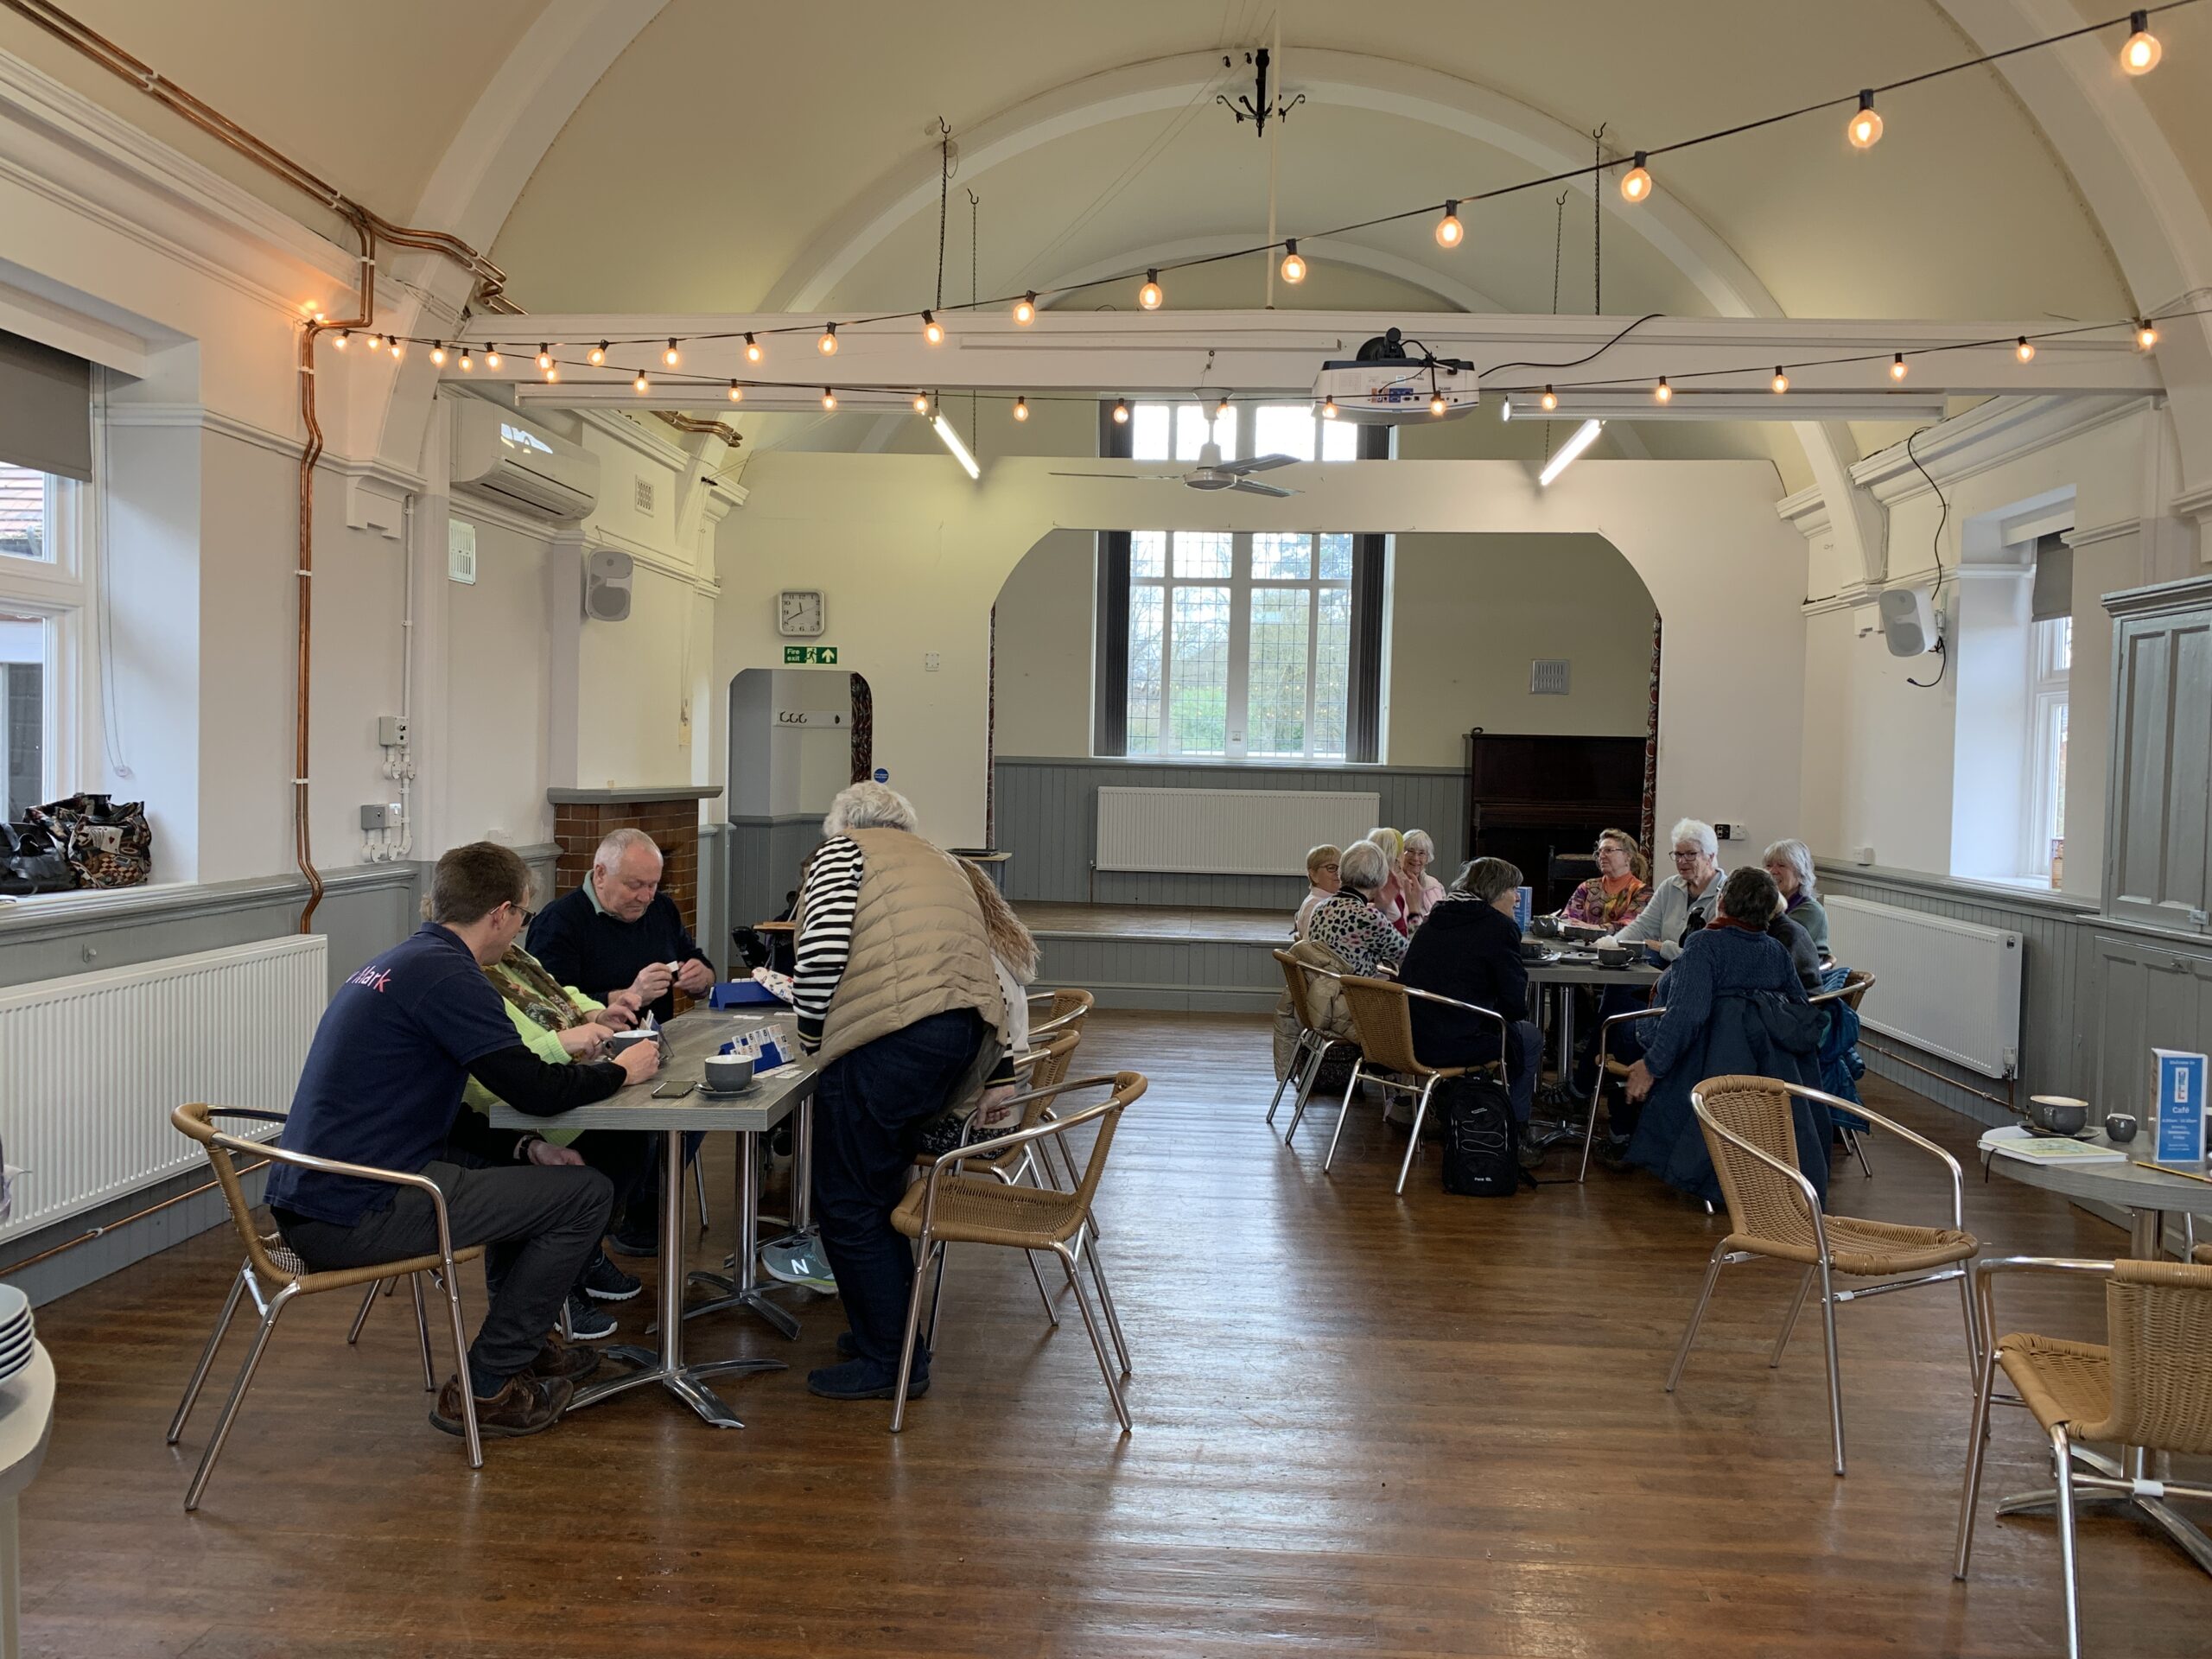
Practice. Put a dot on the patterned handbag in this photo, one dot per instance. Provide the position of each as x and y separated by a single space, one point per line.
106 845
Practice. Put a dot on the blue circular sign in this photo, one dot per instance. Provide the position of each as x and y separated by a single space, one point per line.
883 774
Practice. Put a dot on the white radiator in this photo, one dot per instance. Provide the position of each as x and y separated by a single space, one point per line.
1226 832
91 1066
1948 987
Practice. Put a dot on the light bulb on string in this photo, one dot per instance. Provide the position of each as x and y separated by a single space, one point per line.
1898 367
1549 400
1021 408
2026 350
1781 380
1662 393
599 354
552 374
376 342
1328 408
1151 294
671 357
1221 409
2147 334
492 357
545 356
1635 183
932 330
1864 128
2141 52
641 386
1449 230
827 344
344 334
1121 411
1293 267
1025 309
1436 404
467 362
737 392
398 349
921 402
438 353
828 398
751 349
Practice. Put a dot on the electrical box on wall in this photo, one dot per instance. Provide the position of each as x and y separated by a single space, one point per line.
392 731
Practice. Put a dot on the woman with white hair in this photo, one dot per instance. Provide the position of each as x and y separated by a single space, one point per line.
1422 891
1790 864
1350 921
1392 899
1686 900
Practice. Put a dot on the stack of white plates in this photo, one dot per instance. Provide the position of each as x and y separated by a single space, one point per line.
15 1332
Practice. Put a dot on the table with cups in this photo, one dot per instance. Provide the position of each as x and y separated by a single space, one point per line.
1570 965
690 1043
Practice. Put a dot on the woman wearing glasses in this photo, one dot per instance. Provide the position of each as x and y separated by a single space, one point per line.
1616 895
1684 901
1322 878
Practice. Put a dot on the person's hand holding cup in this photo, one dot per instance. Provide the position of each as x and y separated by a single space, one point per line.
640 1060
583 1042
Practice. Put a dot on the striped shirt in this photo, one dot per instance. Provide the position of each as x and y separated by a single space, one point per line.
827 899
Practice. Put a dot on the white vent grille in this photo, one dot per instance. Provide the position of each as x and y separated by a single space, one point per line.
1547 677
641 491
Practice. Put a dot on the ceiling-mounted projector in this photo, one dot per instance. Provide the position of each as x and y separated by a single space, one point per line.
1386 386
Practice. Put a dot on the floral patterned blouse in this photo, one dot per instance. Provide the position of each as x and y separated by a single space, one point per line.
1592 906
1357 932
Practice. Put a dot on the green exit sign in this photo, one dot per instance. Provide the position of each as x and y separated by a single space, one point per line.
824 654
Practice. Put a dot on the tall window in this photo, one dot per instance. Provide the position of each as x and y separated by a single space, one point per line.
41 595
2050 645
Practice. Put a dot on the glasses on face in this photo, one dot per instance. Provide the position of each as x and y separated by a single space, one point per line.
523 913
1606 849
1331 868
1689 854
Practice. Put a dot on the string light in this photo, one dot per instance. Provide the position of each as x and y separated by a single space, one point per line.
1662 393
438 353
1866 128
1437 406
1151 294
1635 183
344 334
640 385
1449 230
1549 400
1021 408
492 357
552 374
2025 351
599 354
671 357
1025 309
932 330
467 361
2140 55
376 342
1121 411
1896 367
2146 336
921 402
398 350
544 355
1328 408
737 392
827 344
751 349
1293 267
828 398
1781 380
1221 409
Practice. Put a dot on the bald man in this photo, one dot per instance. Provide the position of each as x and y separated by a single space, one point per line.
619 931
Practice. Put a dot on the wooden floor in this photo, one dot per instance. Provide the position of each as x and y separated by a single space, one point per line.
1157 922
1364 1425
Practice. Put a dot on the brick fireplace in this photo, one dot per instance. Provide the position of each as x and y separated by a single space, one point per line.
669 813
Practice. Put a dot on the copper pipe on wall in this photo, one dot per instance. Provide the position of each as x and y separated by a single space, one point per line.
107 1227
683 423
2013 1083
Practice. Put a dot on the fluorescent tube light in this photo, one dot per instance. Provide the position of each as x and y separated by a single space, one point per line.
959 449
1585 436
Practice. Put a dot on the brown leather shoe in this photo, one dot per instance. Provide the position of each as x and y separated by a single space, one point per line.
526 1405
559 1358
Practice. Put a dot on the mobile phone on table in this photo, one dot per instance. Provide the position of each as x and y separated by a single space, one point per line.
672 1089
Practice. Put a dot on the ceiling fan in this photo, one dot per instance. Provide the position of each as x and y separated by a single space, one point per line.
1213 473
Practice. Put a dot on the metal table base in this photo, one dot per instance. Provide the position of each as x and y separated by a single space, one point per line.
745 1289
665 1366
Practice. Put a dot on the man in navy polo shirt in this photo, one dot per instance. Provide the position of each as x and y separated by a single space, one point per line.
382 1087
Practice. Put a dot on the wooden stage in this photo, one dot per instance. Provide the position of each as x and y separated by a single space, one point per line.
1266 927
1364 1425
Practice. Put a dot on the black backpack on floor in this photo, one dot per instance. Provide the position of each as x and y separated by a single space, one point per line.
1482 1143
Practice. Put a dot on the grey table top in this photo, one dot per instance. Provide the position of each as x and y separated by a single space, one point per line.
693 1036
2126 1187
1579 971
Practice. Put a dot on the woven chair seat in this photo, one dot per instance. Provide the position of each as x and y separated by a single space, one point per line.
972 1210
286 1260
1867 1248
283 1257
2060 1381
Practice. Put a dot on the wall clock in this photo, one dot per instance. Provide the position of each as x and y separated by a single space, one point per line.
800 613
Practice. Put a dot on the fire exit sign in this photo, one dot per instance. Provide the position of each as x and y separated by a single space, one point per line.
826 655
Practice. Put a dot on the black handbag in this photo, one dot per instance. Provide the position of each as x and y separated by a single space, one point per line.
1482 1142
31 861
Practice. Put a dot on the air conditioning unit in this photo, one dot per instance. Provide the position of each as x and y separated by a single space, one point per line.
498 455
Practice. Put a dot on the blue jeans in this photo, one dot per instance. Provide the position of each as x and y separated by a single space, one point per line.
870 1104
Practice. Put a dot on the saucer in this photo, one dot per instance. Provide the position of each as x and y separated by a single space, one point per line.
705 1093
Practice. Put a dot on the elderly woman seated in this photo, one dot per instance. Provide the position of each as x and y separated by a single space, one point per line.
1420 890
1321 879
1790 864
1391 899
1683 902
1470 950
1733 1006
1616 895
1350 921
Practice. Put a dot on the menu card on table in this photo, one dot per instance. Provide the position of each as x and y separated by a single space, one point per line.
2178 1107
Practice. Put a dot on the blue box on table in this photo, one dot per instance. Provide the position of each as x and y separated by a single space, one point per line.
743 993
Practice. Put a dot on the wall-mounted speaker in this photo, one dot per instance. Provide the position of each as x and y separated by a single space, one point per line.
1909 622
607 585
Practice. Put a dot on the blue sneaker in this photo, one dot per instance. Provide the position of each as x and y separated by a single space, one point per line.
799 1261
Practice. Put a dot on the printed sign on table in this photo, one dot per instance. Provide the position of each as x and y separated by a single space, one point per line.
2180 1107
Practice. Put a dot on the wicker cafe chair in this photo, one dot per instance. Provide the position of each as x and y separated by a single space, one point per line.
1313 1043
2148 1387
1857 983
274 1276
953 1207
1062 1010
1609 1069
1382 1011
1774 1211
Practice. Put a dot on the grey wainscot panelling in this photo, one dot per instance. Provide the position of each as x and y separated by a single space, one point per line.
1191 975
761 861
1045 813
363 910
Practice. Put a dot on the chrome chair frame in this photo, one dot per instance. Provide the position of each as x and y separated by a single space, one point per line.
1598 1086
1428 1087
1313 1046
928 1245
1830 1295
271 1307
2109 1483
1850 993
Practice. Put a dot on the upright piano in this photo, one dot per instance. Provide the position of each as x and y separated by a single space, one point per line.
1541 802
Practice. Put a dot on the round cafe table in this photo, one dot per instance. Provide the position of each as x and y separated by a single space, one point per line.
2148 1195
26 1424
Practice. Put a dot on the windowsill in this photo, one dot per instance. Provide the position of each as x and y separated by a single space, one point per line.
2018 883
